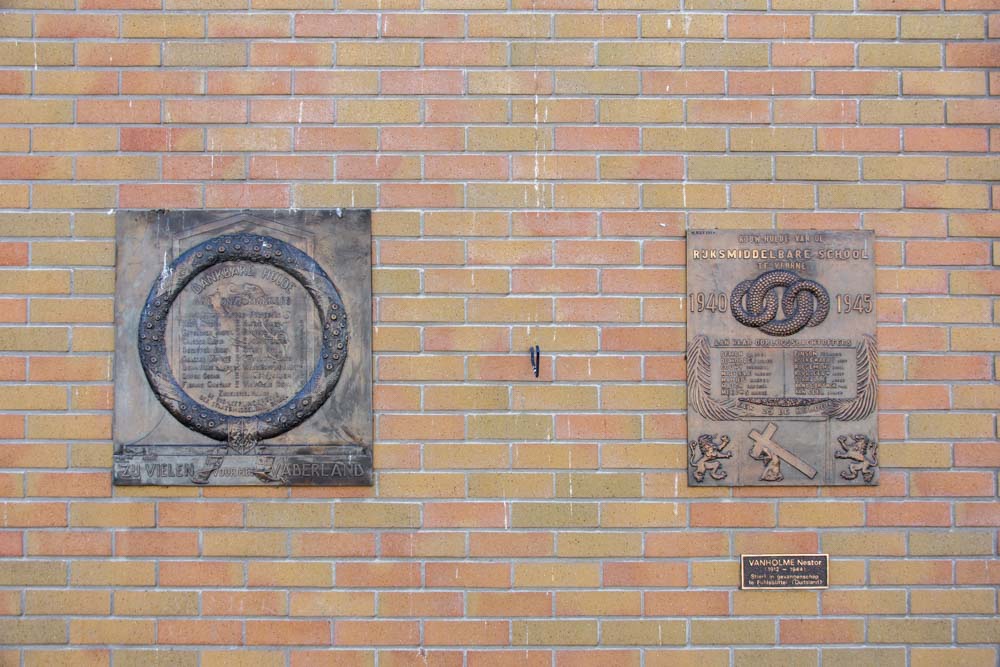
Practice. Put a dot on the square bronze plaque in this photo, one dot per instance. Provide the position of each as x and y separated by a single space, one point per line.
782 362
243 348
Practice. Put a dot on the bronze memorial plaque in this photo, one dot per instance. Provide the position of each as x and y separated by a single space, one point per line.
243 348
782 364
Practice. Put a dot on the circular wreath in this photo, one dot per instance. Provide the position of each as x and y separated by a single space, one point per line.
262 250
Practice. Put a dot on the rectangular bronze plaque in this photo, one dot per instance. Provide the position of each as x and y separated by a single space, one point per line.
243 348
782 364
785 571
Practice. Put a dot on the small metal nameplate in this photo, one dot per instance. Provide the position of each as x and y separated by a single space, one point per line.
778 571
782 362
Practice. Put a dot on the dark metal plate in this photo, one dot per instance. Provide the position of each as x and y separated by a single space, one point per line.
775 571
243 351
782 359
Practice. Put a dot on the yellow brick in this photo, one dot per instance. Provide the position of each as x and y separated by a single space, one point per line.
909 630
703 26
978 630
162 26
663 195
36 111
42 339
74 139
32 397
510 485
369 54
466 397
580 574
93 339
977 339
775 603
725 631
117 168
766 195
112 573
421 485
916 455
72 310
16 25
635 54
973 169
507 139
34 281
156 603
787 657
604 82
580 54
599 545
111 514
381 111
864 602
598 603
69 427
772 139
904 169
816 168
79 253
308 195
288 515
556 339
929 26
35 224
553 397
949 543
24 631
851 657
953 657
382 515
554 633
244 543
75 657
684 139
510 427
860 196
73 196
729 168
902 112
644 633
204 54
465 455
111 631
597 195
598 485
833 26
554 515
963 601
952 425
641 111
813 514
942 309
600 26
278 574
733 54
97 281
899 55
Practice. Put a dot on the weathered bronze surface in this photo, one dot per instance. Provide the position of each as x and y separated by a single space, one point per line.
243 348
785 571
782 361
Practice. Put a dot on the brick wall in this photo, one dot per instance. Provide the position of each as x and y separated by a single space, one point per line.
533 166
